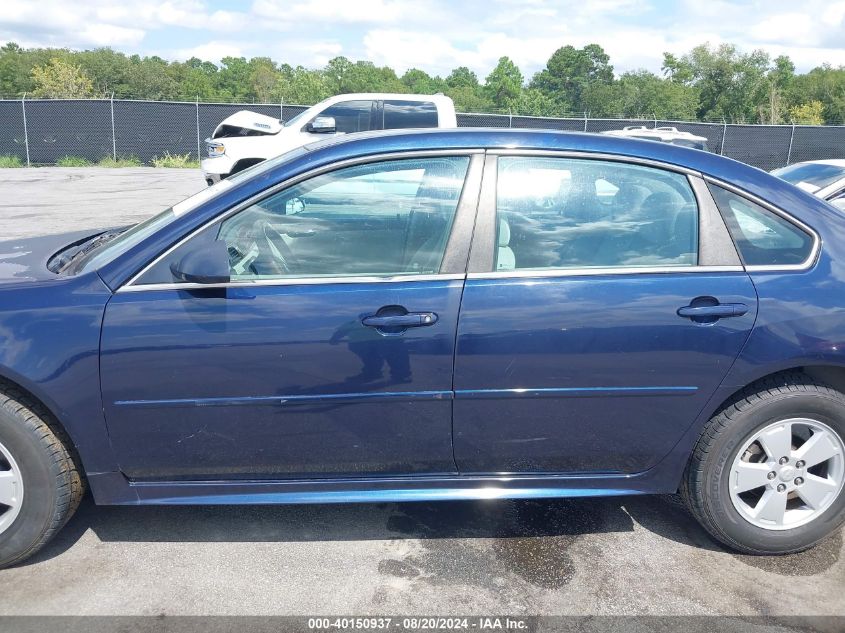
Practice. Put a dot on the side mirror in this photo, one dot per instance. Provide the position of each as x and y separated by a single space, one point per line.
322 125
207 264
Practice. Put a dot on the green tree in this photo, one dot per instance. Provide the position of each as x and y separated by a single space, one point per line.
195 78
504 85
469 99
825 84
108 69
778 80
568 73
533 102
641 94
302 86
264 79
59 80
811 113
233 79
462 77
420 82
148 78
730 84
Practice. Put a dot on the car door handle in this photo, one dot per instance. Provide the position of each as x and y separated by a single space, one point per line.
719 311
412 319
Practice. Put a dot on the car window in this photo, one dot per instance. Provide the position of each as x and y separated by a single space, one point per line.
576 213
409 114
762 237
351 116
388 218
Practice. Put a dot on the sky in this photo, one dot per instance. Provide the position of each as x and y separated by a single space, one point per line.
432 35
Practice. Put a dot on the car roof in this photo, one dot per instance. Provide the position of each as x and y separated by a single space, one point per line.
374 96
662 133
836 162
347 146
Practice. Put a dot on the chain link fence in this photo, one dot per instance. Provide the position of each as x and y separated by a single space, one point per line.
41 132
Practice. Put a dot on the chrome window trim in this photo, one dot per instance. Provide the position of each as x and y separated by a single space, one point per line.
535 273
130 285
812 258
618 158
296 281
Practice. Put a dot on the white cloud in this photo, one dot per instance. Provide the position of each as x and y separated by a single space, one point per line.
834 15
329 11
796 28
110 35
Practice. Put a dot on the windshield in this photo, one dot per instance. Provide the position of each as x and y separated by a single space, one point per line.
106 251
811 176
297 119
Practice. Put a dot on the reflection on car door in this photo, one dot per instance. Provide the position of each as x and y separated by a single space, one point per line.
328 355
597 318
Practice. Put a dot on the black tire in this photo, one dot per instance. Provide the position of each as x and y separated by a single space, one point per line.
705 486
52 483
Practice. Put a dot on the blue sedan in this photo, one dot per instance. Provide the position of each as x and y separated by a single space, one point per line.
465 314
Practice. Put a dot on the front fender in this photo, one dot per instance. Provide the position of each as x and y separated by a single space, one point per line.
49 346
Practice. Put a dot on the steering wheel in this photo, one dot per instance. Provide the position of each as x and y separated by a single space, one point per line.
259 249
277 249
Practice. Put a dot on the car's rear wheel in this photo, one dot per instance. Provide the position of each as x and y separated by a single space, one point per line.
40 484
768 472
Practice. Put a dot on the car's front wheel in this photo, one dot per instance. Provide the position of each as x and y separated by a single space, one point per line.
767 474
40 484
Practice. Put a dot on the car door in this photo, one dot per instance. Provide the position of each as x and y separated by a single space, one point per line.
605 302
330 351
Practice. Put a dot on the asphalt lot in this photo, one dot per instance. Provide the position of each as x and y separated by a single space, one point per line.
631 555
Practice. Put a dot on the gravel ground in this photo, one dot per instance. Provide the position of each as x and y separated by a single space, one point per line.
46 200
636 555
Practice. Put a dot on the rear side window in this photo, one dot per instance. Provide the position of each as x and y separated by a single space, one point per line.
580 213
409 114
762 238
351 116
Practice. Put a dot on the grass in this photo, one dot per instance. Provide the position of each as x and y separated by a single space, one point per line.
73 161
183 161
120 161
10 161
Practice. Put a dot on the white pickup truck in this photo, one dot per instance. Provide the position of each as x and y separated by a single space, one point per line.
247 138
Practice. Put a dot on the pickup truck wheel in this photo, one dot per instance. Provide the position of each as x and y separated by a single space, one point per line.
40 484
768 473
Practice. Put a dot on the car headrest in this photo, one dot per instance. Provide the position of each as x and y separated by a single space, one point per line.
504 233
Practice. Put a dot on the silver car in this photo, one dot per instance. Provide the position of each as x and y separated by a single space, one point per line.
823 178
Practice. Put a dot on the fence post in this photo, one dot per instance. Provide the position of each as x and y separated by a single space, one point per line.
724 136
199 155
113 133
25 132
585 121
282 111
791 138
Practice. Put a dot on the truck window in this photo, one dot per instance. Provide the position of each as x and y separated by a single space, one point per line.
409 114
351 116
